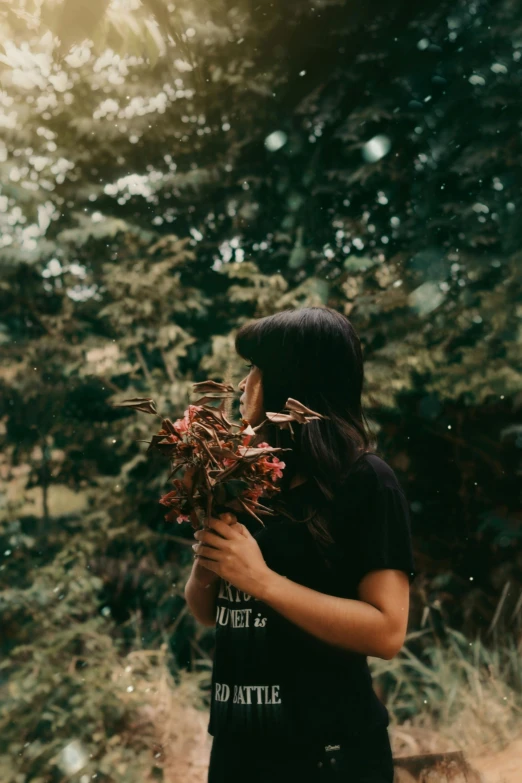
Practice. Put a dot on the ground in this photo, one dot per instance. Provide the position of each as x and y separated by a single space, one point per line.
190 761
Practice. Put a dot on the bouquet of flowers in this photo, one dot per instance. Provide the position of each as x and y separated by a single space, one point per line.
216 464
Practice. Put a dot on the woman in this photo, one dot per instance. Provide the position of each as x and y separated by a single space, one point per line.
300 603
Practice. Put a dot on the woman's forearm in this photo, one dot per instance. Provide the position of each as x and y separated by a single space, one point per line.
343 622
201 594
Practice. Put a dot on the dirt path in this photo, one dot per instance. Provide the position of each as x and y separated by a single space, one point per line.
189 751
502 767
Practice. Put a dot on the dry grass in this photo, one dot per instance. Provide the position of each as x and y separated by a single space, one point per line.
472 694
461 696
172 718
181 729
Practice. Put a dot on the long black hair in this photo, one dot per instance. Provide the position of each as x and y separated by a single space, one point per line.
314 355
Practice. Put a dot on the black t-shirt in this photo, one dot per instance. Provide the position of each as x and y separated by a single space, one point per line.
272 679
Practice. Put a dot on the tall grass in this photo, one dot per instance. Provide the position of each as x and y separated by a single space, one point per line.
443 691
454 694
172 717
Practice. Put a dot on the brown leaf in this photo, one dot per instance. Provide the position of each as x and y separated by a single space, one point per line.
204 400
212 387
220 413
212 415
254 452
226 473
250 511
298 407
144 404
162 444
198 425
219 451
167 425
194 521
298 412
283 420
279 418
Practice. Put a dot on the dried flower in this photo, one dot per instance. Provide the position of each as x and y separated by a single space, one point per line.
216 464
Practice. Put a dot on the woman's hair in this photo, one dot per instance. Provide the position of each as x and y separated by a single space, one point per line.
314 355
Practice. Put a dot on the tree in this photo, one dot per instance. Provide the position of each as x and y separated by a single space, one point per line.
232 162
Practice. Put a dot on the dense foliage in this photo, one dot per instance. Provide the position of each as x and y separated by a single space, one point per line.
193 167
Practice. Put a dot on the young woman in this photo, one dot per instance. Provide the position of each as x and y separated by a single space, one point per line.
300 603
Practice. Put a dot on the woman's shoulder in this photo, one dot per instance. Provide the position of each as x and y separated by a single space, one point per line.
373 473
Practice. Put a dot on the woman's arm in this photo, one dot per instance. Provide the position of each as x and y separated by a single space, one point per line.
201 594
375 625
202 587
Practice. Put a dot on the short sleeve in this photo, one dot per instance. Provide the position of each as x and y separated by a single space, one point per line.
375 530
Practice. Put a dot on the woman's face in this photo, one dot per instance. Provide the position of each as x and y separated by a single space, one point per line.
251 401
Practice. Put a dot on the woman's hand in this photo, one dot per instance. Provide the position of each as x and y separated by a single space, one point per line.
201 574
231 552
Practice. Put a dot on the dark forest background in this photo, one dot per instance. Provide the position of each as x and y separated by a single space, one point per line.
170 171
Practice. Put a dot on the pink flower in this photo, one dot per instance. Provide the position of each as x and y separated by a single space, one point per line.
171 499
277 468
191 412
254 494
180 425
262 465
182 518
172 515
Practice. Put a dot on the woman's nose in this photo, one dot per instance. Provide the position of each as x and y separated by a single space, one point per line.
242 384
